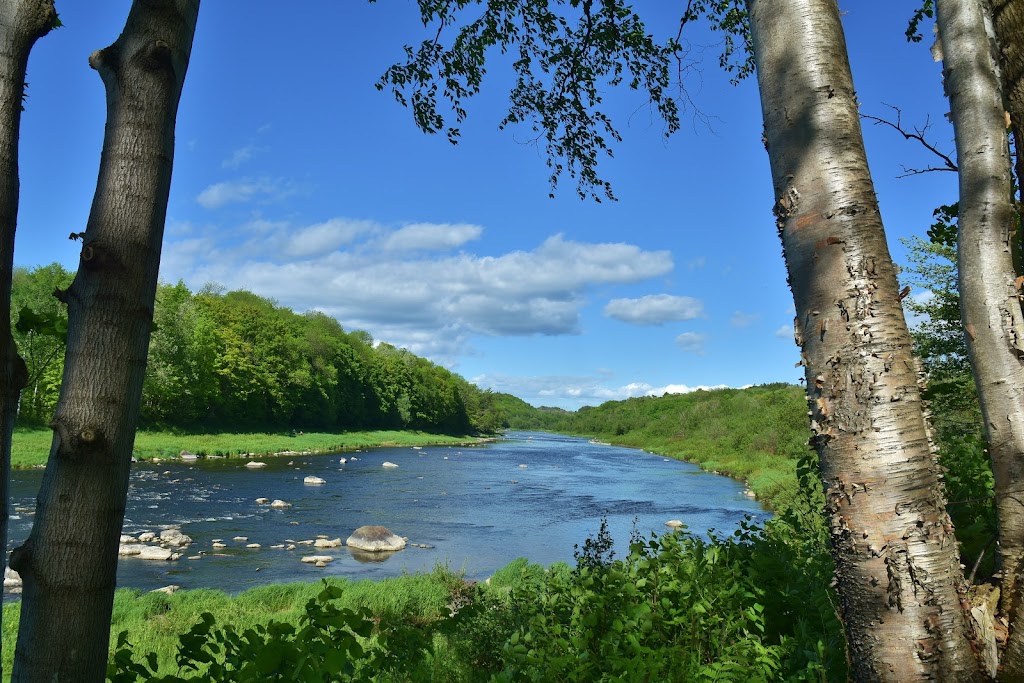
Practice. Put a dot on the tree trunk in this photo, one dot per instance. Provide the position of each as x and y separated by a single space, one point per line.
68 564
21 24
1008 22
896 558
989 304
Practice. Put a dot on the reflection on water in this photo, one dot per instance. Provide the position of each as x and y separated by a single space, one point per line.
475 509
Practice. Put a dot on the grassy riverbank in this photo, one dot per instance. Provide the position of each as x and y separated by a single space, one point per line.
756 435
31 447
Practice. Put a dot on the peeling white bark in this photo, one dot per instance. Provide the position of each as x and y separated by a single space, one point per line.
896 557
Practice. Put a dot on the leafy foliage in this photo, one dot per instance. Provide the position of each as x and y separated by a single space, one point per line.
955 413
325 646
564 54
238 360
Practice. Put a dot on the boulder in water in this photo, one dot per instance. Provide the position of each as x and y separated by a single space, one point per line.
327 543
375 539
389 465
313 481
674 524
174 537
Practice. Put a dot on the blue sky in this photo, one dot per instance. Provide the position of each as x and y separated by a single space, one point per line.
296 179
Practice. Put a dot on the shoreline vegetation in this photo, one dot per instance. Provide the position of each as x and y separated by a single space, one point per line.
31 446
755 435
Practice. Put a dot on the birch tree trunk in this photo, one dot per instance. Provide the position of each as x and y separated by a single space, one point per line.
896 558
21 24
989 304
68 564
1008 23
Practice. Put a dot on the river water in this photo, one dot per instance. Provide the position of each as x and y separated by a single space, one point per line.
477 508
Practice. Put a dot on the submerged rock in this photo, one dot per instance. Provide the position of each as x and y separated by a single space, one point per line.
327 543
317 559
280 504
375 539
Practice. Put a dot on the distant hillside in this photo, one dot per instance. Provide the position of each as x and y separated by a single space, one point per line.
756 434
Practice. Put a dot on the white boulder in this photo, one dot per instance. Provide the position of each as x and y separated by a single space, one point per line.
375 539
313 481
174 538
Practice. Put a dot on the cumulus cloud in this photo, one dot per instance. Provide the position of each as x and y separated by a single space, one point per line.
431 236
691 342
323 237
345 268
654 309
784 331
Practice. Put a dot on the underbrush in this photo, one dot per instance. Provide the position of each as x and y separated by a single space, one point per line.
751 606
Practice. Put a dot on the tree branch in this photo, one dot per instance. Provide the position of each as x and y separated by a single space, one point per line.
917 134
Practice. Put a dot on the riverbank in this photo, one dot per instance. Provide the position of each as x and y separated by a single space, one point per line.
30 446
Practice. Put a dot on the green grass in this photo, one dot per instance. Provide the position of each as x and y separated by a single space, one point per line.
31 446
154 621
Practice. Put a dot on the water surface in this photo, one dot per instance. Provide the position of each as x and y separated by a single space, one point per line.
478 508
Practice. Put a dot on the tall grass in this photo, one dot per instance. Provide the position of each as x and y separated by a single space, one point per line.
154 621
31 446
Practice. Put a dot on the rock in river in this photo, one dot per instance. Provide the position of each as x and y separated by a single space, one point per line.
280 504
153 552
313 481
327 543
174 537
375 539
389 464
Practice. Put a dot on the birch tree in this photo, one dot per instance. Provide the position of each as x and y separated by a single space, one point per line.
68 563
989 304
896 557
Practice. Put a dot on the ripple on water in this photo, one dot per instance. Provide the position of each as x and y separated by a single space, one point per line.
478 511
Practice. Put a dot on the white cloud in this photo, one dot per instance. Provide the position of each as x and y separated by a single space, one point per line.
239 156
654 309
696 263
431 236
244 190
784 331
323 237
741 319
572 392
428 301
691 342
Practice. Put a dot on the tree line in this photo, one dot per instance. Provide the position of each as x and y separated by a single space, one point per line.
235 360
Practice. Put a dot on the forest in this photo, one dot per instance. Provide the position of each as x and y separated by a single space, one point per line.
239 361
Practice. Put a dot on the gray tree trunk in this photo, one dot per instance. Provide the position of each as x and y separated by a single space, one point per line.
896 558
21 24
989 304
68 564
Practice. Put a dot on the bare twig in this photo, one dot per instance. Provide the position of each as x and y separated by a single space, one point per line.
917 134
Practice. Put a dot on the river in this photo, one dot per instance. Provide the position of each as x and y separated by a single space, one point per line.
530 495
